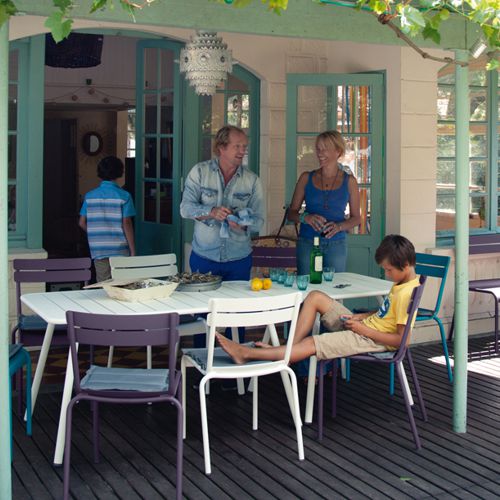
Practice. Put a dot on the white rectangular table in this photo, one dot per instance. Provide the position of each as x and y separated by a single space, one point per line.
52 307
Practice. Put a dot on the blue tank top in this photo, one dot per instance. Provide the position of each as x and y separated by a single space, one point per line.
336 199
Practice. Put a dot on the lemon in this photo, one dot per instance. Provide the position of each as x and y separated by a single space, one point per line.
256 284
267 283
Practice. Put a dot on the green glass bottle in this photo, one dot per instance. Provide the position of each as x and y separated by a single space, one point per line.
316 263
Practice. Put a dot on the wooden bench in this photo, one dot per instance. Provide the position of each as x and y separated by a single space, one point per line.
480 244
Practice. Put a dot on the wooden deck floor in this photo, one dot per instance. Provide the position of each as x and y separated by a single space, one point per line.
367 451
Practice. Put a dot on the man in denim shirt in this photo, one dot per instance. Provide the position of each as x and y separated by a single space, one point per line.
214 190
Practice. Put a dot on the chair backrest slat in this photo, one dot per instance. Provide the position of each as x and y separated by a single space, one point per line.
49 271
274 257
261 311
416 296
123 331
434 266
143 266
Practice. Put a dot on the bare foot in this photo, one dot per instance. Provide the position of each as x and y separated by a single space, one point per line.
235 350
262 345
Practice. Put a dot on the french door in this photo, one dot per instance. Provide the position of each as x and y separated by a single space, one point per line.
158 148
353 104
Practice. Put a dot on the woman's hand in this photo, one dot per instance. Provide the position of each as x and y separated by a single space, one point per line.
317 222
331 228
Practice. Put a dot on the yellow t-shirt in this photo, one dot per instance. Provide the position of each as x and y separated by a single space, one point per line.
393 311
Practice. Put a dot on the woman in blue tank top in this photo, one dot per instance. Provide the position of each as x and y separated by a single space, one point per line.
327 192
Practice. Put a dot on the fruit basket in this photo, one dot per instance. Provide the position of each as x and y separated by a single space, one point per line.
140 290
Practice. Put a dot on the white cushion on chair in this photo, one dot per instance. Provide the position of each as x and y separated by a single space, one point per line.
100 378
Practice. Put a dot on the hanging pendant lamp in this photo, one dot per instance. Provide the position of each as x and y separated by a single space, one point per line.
206 61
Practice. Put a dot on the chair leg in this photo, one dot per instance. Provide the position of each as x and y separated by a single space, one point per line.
20 389
67 449
95 430
204 425
10 418
110 355
29 419
180 452
255 403
417 385
321 382
445 348
235 337
296 413
391 379
399 369
149 356
334 385
183 396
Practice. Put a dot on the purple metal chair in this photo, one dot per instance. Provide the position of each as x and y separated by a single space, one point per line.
385 358
123 385
44 271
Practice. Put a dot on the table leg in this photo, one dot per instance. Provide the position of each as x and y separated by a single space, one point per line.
311 378
66 398
40 366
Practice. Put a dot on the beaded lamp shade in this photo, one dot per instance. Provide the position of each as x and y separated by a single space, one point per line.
206 61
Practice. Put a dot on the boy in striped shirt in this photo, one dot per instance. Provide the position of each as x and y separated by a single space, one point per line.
106 217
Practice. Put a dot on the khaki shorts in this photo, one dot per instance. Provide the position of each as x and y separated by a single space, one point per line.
338 343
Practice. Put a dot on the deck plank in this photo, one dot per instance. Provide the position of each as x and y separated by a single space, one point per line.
367 451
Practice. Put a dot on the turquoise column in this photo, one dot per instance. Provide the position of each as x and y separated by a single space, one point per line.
5 405
461 243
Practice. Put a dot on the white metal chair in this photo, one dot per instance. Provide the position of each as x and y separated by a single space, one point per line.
213 362
151 266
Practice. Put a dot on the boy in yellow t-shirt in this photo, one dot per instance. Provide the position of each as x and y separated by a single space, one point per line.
348 334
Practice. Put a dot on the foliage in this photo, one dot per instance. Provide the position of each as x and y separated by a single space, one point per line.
423 17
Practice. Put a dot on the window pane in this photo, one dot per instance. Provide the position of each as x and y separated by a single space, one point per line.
150 157
447 74
353 109
12 157
217 112
478 142
478 175
166 203
150 109
166 158
311 108
151 68
445 173
477 212
446 140
306 154
12 208
446 103
478 76
365 206
357 157
206 148
167 69
150 197
12 123
478 105
166 113
235 111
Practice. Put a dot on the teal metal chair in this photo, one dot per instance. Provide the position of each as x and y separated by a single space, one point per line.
432 266
19 357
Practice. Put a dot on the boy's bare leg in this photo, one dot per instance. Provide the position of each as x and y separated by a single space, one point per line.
241 353
316 302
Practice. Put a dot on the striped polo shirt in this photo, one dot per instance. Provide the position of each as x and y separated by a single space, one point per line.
105 207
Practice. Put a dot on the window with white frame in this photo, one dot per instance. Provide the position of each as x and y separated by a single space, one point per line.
484 160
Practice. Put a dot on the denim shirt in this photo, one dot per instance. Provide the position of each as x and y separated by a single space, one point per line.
205 189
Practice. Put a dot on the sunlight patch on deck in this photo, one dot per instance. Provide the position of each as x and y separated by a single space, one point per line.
485 362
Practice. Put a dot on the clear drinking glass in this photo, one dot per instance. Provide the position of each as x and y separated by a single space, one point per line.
328 273
274 274
289 279
302 281
281 275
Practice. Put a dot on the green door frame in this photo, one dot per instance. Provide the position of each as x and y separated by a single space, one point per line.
377 127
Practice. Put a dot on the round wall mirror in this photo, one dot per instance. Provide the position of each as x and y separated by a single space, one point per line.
92 143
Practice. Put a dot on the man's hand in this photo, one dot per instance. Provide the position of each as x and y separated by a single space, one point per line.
237 227
220 213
